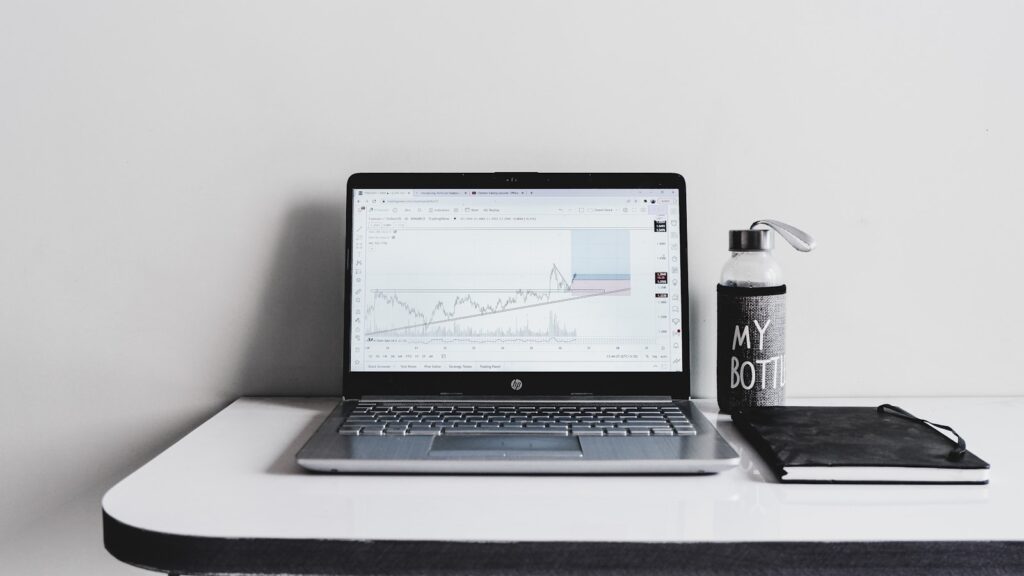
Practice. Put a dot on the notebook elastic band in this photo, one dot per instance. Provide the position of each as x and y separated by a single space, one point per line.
955 455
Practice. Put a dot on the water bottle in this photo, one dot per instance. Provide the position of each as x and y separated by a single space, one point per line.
752 317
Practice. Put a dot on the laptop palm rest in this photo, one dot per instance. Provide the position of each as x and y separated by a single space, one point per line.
499 446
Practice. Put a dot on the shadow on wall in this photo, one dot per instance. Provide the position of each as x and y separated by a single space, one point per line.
296 343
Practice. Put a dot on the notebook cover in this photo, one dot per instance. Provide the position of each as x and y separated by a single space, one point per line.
788 436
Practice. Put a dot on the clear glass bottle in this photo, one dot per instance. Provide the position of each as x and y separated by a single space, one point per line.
752 269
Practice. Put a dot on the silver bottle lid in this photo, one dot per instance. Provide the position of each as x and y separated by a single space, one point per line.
750 240
759 239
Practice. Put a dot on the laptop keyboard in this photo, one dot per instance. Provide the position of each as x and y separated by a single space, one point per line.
406 419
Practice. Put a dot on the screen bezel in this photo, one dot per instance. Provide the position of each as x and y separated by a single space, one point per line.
674 384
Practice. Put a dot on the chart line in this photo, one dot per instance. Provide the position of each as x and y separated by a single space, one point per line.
525 306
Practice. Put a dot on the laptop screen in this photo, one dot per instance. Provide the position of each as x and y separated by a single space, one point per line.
525 280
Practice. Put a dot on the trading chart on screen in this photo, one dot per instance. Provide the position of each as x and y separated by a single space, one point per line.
530 280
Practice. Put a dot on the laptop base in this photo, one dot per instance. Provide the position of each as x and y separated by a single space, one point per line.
705 452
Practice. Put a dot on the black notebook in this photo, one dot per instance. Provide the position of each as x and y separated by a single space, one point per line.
856 445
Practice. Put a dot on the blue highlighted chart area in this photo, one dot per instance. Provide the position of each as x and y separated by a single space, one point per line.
600 261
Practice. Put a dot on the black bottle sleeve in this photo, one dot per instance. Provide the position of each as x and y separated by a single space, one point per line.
751 341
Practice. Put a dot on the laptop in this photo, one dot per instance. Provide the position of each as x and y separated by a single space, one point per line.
516 323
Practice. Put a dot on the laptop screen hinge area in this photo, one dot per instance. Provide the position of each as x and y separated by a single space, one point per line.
462 397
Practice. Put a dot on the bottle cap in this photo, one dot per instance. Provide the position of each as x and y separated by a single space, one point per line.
760 240
750 240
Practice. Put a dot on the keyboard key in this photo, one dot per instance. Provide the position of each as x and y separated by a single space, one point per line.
535 431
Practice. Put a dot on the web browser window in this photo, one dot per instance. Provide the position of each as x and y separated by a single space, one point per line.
539 280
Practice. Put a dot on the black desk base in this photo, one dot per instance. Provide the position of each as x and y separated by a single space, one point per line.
200 555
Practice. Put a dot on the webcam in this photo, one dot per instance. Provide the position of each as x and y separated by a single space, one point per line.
510 177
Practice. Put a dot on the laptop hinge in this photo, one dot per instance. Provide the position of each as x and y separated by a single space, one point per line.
454 395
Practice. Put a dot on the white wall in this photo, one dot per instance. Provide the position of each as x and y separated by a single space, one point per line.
171 176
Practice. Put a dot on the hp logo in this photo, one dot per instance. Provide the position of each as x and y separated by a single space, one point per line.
517 384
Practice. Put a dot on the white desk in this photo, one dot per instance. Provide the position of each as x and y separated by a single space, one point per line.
235 478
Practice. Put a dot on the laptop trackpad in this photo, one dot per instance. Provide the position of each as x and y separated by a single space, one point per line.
506 446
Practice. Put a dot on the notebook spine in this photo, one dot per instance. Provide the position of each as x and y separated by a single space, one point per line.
760 445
